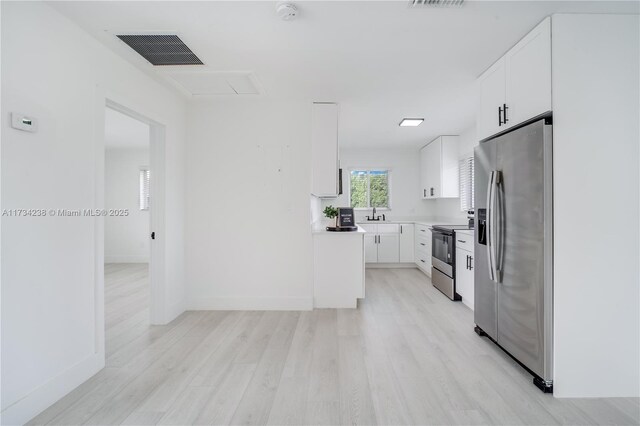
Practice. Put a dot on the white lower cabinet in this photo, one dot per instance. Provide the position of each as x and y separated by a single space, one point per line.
464 273
423 248
388 243
407 243
388 248
371 248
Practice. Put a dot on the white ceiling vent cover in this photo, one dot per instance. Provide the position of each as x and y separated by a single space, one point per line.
212 83
436 3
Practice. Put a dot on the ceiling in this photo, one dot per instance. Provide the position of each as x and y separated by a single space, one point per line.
380 60
122 131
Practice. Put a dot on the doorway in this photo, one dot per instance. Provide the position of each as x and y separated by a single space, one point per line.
127 228
143 302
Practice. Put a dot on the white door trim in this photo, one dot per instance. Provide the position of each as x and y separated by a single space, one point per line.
158 302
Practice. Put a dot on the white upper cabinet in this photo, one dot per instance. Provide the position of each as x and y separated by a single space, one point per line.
518 86
528 66
492 86
424 177
439 168
324 150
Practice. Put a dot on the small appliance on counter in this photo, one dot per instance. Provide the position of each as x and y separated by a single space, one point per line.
345 221
471 218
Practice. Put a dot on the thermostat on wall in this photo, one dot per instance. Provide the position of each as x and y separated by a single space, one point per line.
22 122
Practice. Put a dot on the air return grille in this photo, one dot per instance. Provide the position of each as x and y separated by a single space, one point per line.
161 49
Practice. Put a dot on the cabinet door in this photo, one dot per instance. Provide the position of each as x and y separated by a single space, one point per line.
492 87
449 168
469 301
423 248
389 248
528 75
406 243
433 165
370 248
324 150
429 246
462 276
423 172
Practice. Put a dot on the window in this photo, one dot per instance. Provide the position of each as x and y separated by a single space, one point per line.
466 183
143 193
369 188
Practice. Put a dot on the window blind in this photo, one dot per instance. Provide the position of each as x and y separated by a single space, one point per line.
143 195
466 183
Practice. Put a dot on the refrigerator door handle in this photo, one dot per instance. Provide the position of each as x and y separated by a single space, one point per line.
497 226
490 200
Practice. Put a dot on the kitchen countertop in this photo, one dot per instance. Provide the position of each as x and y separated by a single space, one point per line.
323 230
414 220
465 231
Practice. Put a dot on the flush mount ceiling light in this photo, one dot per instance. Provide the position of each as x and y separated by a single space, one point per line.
411 122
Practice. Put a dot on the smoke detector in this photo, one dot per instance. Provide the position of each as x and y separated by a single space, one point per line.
286 11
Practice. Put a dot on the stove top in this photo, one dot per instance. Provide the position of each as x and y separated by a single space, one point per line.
452 227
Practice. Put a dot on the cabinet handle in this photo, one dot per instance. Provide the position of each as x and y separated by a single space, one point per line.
504 113
401 229
470 263
422 244
461 241
424 192
432 192
499 116
467 262
422 261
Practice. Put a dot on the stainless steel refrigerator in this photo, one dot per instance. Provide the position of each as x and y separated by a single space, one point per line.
513 246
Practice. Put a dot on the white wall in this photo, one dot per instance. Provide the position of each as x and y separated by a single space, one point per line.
52 286
596 213
404 164
248 220
126 238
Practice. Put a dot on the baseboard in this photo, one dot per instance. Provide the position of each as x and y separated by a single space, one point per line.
41 398
126 259
174 310
252 304
390 265
334 303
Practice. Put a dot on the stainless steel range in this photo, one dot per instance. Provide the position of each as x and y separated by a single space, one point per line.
443 260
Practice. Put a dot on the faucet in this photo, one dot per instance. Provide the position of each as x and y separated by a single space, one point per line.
374 218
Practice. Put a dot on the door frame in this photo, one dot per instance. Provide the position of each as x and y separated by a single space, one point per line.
157 278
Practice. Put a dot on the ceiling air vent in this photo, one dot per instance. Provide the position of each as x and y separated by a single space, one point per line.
436 3
161 49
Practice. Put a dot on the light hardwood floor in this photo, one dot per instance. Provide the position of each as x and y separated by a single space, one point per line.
407 355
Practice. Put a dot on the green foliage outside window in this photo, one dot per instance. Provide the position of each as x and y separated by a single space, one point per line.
369 188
